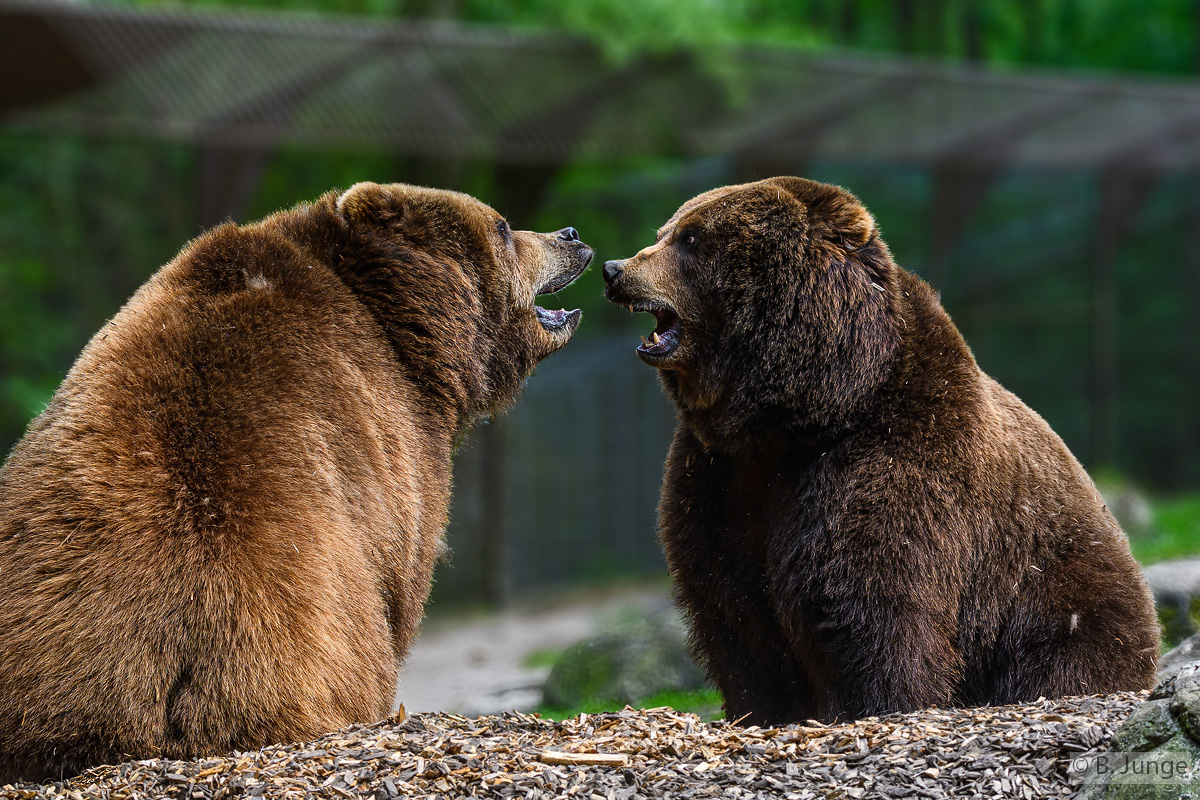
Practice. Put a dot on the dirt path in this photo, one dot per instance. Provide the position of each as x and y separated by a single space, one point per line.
478 664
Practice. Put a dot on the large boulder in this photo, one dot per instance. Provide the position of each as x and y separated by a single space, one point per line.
1154 754
625 665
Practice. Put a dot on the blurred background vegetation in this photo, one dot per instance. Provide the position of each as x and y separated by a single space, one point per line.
563 488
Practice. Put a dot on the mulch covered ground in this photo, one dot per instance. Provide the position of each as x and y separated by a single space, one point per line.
1008 751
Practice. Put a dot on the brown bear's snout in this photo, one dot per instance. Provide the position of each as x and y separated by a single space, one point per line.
565 259
613 270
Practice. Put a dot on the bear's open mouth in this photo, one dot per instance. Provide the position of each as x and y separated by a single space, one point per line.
560 320
665 338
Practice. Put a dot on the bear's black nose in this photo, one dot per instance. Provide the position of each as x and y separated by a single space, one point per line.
569 235
612 270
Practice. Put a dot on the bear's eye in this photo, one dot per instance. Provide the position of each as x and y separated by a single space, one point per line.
688 238
503 229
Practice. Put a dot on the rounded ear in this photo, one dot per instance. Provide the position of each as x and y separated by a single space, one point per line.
834 213
370 202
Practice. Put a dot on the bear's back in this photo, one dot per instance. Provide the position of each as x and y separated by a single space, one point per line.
193 503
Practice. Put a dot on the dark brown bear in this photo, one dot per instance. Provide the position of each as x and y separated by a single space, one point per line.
220 533
857 520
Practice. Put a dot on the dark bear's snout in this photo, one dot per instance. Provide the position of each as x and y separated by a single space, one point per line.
637 294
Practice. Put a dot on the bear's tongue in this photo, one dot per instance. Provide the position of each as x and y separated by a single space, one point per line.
555 317
552 320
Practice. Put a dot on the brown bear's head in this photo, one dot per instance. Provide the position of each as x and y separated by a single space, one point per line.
774 305
453 286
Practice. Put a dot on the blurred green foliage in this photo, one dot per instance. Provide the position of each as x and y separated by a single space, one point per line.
1176 534
86 221
1135 35
75 240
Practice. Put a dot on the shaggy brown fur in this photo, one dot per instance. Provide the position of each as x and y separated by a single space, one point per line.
856 518
220 534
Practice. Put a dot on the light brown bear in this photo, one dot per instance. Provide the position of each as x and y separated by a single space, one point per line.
221 532
856 518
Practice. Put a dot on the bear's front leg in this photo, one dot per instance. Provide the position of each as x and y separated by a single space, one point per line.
873 617
870 600
745 653
901 660
714 553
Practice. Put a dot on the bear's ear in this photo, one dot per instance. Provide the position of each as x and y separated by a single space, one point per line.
834 213
371 203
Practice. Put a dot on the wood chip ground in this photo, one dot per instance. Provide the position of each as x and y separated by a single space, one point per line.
1008 751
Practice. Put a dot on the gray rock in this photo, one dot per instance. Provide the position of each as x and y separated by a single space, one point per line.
1156 751
1148 726
1176 588
1185 702
624 665
1185 653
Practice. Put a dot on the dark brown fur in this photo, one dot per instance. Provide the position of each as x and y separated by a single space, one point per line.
220 534
857 519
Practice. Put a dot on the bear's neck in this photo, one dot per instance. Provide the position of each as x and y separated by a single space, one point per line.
753 432
935 376
434 335
929 352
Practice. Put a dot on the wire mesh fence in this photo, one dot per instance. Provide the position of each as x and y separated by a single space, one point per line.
564 487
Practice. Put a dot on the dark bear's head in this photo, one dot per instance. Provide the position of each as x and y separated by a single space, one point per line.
453 286
774 304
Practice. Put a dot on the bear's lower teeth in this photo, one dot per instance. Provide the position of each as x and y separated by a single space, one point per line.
652 341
